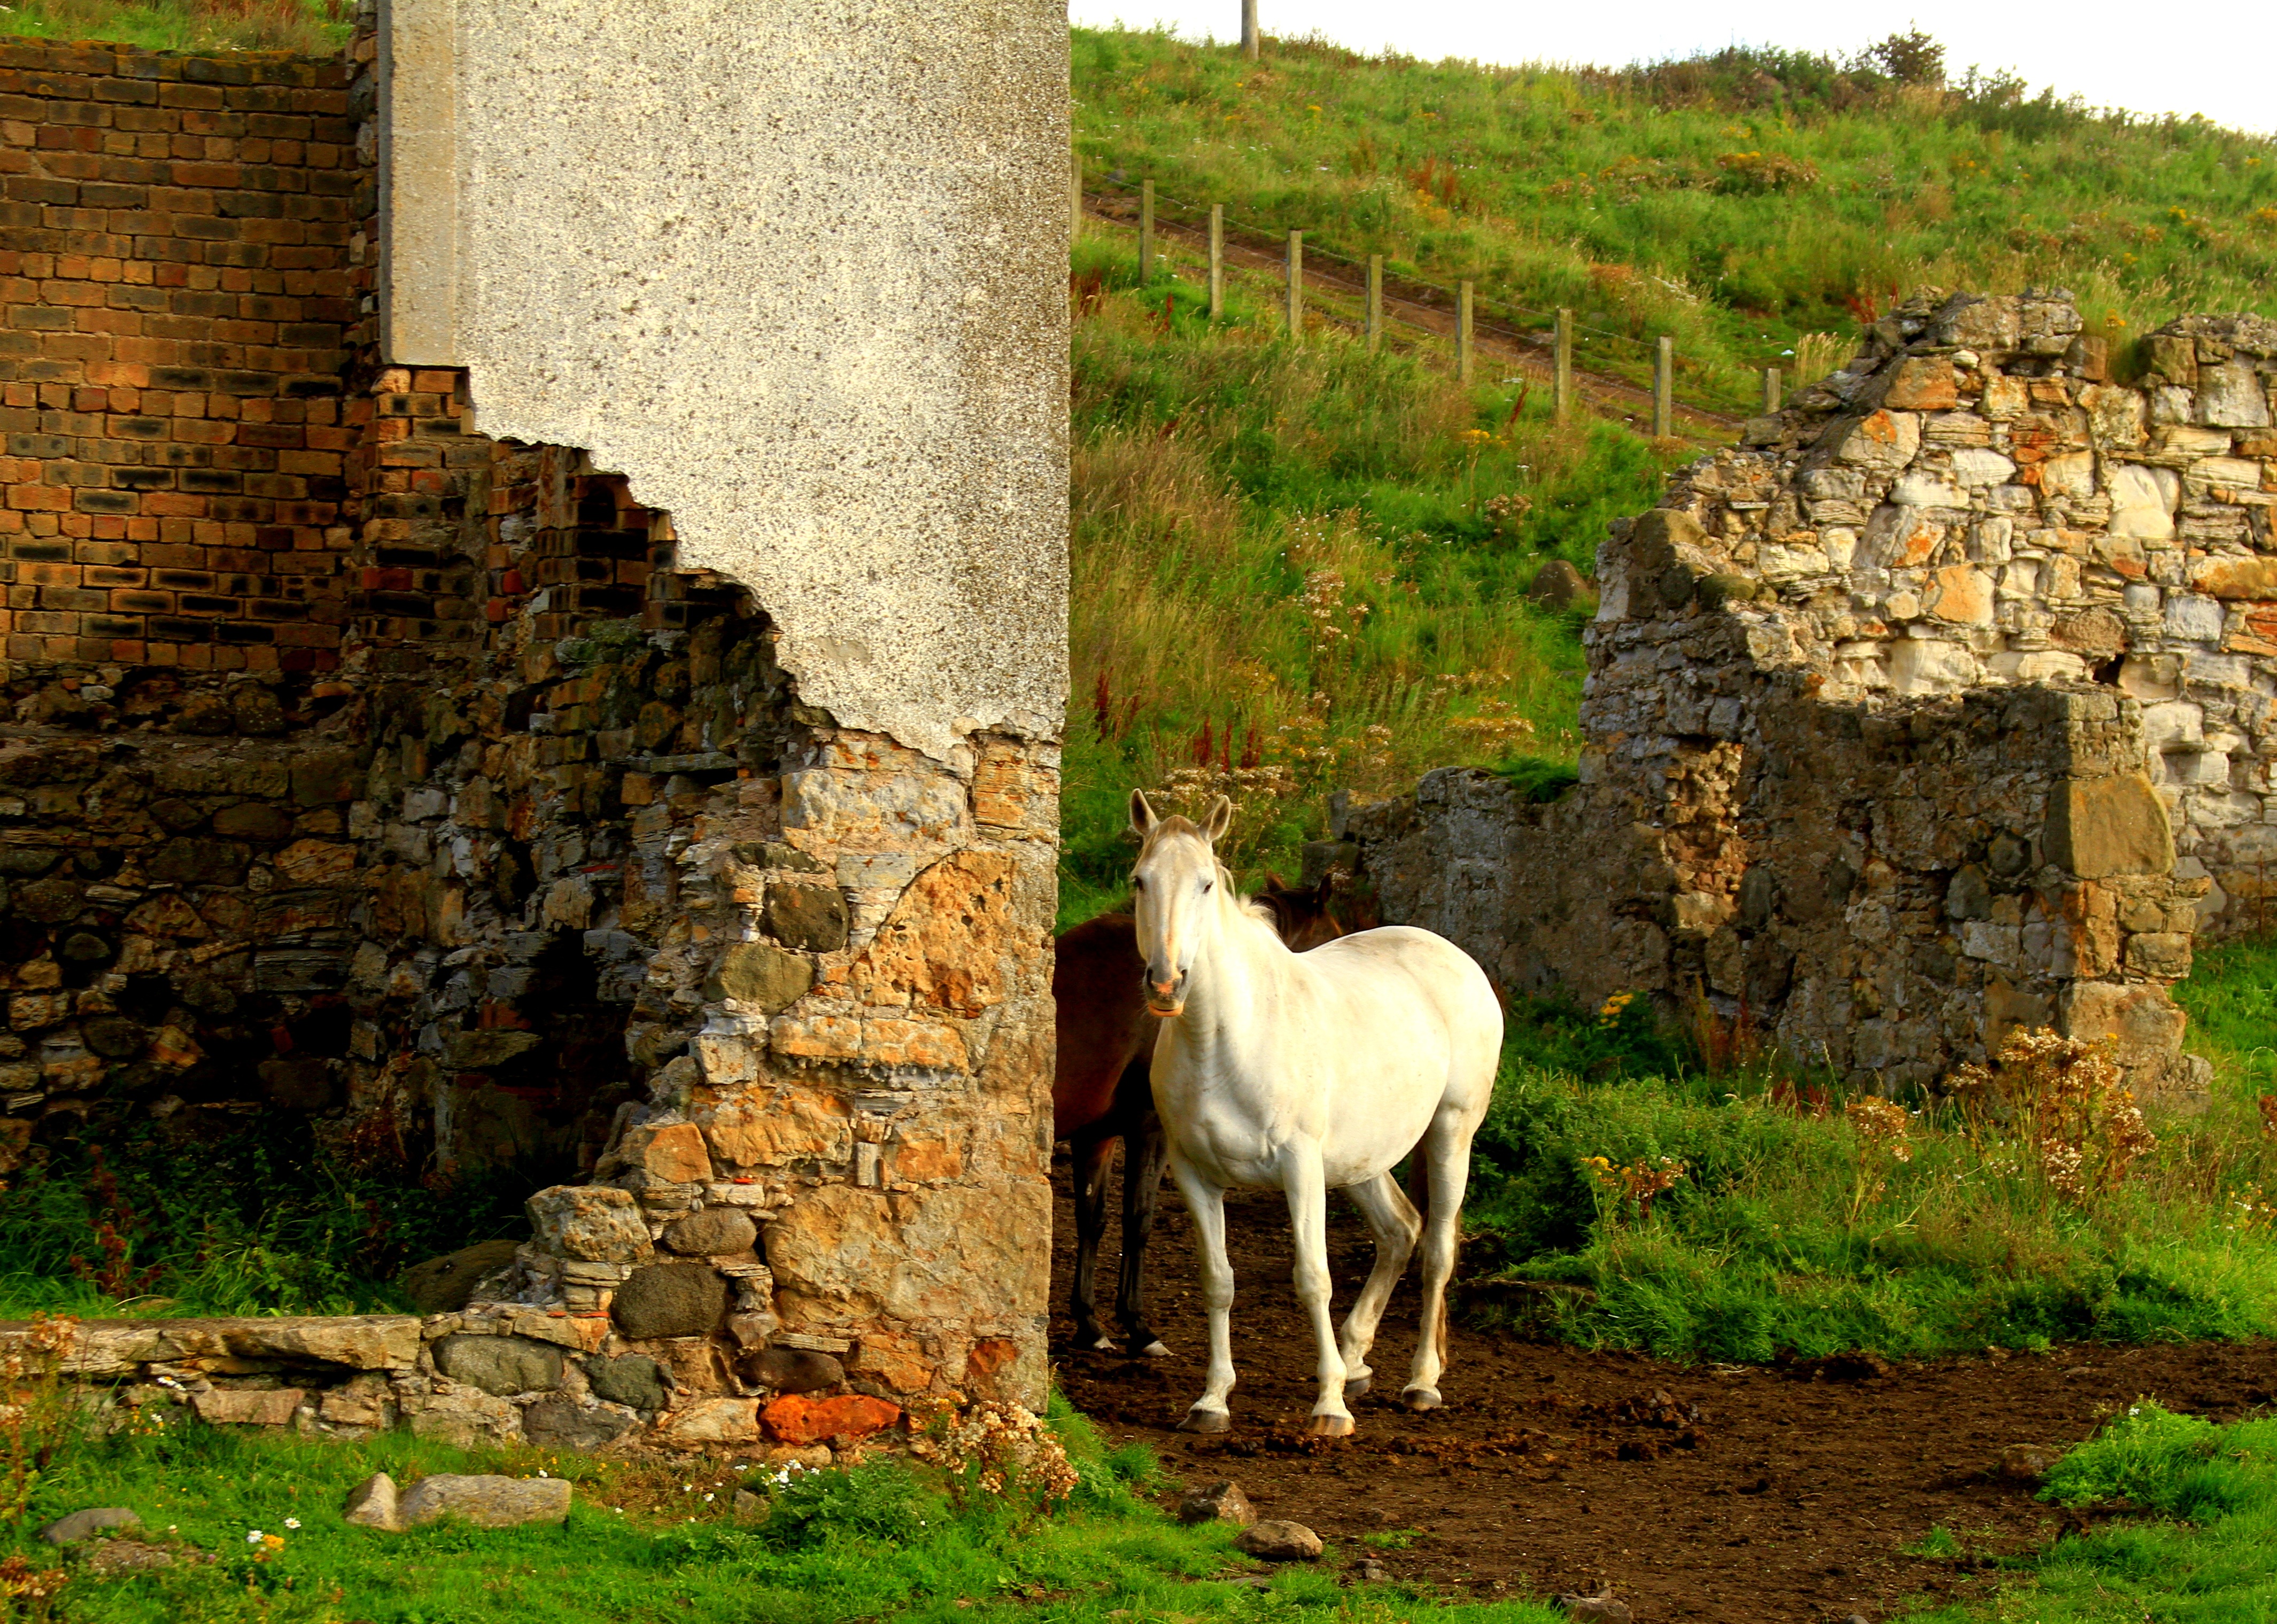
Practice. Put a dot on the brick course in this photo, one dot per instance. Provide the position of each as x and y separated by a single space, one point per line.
177 296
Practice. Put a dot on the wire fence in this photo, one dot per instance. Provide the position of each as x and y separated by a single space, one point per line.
1566 343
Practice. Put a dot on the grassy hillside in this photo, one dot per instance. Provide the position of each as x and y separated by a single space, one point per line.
307 26
1301 568
1735 201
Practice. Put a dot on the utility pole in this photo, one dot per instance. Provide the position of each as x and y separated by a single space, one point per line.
1249 29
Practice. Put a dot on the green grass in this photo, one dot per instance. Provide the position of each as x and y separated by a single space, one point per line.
1788 1232
2208 1554
880 1540
1735 203
308 27
1300 568
2232 999
267 1222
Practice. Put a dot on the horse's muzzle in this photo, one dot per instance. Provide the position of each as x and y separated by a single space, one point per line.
1166 998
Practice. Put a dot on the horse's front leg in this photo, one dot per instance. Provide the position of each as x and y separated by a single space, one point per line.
1306 1187
1206 1204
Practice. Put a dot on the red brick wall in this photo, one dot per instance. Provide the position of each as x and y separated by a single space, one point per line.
176 297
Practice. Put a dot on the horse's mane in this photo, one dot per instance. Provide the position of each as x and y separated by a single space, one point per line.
1248 906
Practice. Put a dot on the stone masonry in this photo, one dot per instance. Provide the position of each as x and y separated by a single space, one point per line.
540 853
1946 700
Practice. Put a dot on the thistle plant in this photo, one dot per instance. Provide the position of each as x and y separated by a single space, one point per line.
2061 1103
998 1449
1881 1126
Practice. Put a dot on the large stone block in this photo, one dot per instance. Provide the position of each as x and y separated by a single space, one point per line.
2231 577
593 1223
672 1153
633 1380
489 1502
842 1253
561 1423
2142 1020
1924 383
671 1300
2100 827
809 918
762 975
445 1285
712 1421
792 1121
714 1231
942 946
500 1365
186 861
797 1419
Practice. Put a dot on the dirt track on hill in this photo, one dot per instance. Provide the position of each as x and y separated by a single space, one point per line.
1602 393
1742 1495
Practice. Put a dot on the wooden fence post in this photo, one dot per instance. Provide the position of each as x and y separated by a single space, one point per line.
1146 232
1463 333
1562 392
1296 285
1249 29
1663 388
1374 303
1217 262
1770 390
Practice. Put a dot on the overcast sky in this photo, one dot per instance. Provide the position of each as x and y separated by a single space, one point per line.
2211 57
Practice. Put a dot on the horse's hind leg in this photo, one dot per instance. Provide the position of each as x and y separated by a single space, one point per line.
1303 1179
1206 1205
1092 1157
1447 1148
1144 1152
1391 1219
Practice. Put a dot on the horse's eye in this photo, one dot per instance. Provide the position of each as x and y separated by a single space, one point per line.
1205 886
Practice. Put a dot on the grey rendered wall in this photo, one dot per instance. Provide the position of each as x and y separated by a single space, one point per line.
797 271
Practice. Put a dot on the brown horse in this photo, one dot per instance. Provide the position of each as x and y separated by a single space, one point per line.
1103 1095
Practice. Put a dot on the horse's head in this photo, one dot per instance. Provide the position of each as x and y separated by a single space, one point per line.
1173 891
1304 914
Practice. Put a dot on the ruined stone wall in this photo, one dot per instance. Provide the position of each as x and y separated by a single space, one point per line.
1976 500
543 856
1944 701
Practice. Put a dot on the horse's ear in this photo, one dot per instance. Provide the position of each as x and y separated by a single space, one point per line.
1220 820
1142 815
1274 882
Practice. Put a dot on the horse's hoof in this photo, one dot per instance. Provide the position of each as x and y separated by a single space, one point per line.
1329 1426
1153 1350
1420 1397
1357 1386
1199 1420
1102 1344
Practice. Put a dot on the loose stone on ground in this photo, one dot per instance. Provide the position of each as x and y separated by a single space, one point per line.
1217 1502
484 1500
1275 1540
87 1523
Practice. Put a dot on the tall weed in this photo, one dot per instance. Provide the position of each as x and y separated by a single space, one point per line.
2032 1208
1301 569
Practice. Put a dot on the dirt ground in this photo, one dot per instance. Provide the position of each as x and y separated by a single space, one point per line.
1740 1494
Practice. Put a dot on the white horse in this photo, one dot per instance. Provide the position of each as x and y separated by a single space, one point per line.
1309 1072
